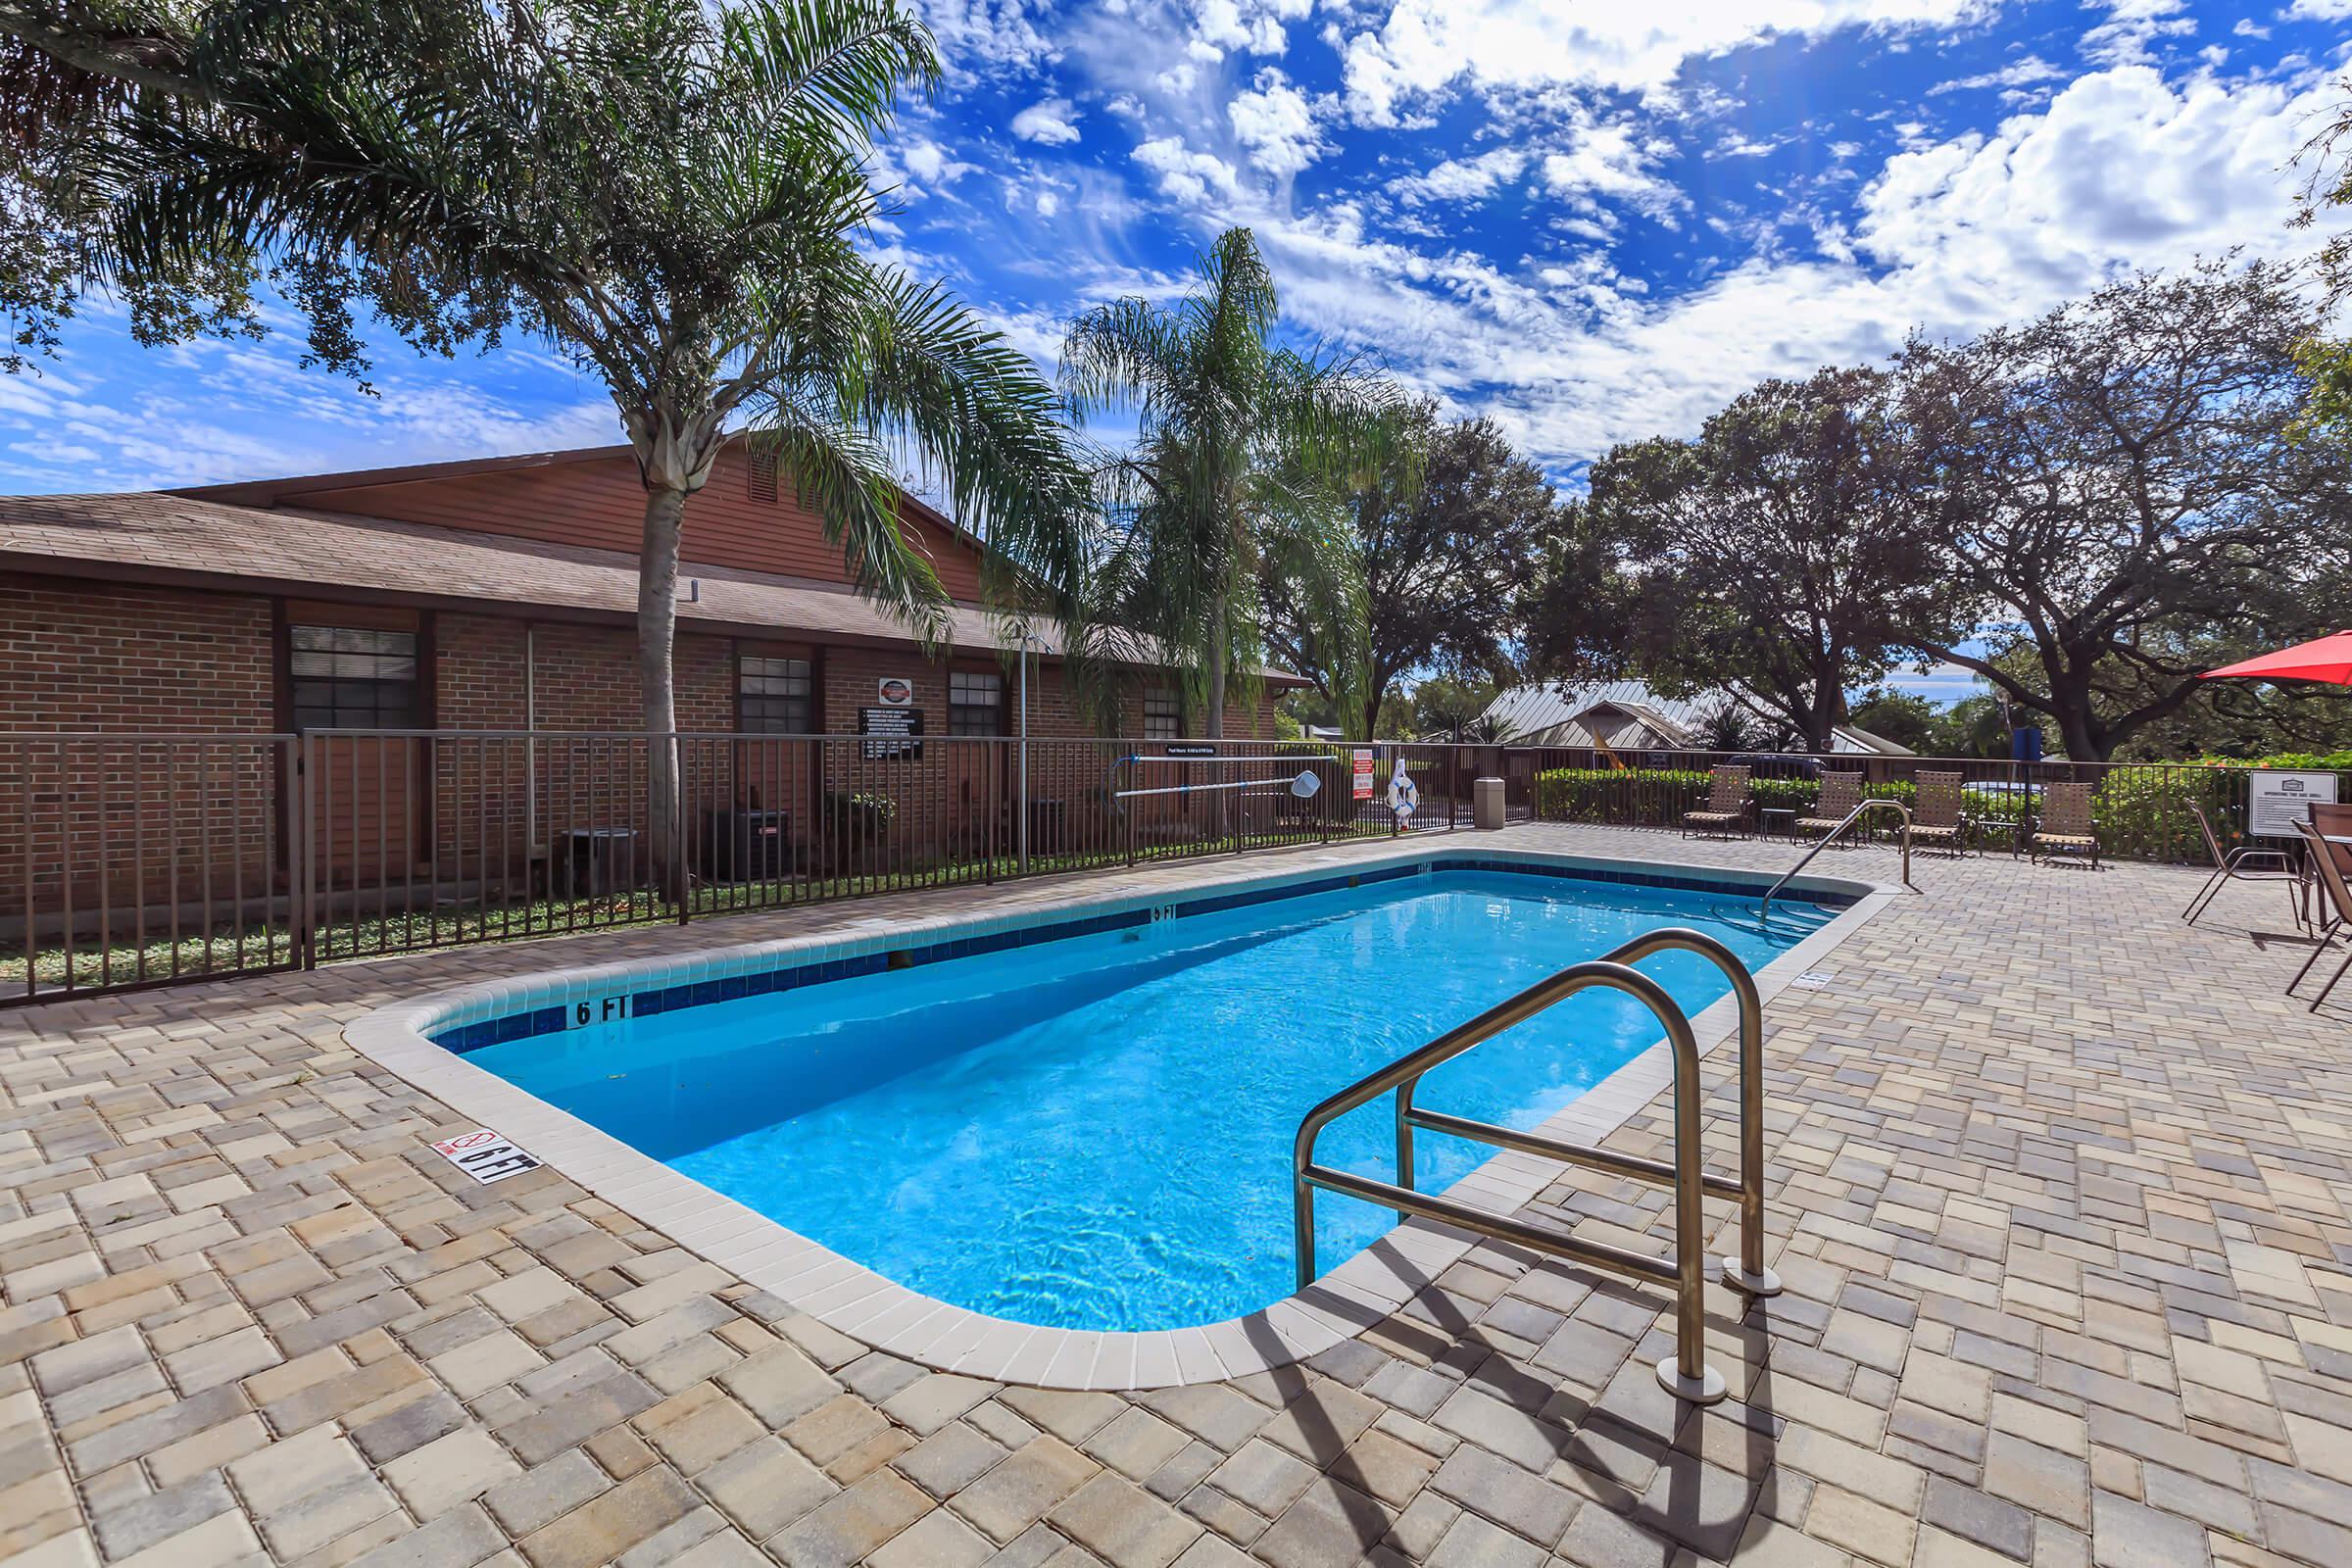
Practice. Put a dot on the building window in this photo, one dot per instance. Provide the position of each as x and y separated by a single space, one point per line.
353 677
1164 716
778 696
975 702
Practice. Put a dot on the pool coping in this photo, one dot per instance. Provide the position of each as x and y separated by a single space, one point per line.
878 1311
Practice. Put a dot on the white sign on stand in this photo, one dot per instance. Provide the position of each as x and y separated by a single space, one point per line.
2277 802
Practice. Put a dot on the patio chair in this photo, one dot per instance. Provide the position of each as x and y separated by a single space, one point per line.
1727 808
2231 865
2065 827
2335 820
1936 821
1841 793
2334 892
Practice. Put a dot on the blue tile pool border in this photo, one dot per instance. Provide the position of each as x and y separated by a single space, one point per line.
525 1024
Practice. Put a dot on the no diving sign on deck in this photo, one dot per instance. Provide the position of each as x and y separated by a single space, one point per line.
486 1156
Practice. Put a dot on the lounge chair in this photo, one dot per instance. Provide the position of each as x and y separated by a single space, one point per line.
1936 821
1728 800
2065 827
1841 793
2334 892
2234 865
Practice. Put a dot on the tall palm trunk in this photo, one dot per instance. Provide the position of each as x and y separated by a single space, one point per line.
674 454
657 678
1220 652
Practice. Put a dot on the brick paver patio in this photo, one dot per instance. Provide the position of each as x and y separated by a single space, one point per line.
2058 1189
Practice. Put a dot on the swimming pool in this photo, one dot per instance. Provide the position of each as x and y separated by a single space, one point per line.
1087 1125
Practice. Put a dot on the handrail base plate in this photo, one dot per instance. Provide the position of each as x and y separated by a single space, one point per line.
1757 1286
1708 1387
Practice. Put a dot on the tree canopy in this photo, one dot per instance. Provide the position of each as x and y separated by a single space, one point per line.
1450 534
2119 489
2087 510
1783 552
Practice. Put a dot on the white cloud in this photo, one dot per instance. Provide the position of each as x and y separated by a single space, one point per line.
2132 28
2121 166
1255 25
1609 161
2121 171
1424 47
1186 176
1459 179
209 412
1049 121
1277 123
919 167
976 37
2314 10
2030 71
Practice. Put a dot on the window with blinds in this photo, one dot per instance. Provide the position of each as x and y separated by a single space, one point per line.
975 702
1163 714
778 696
353 677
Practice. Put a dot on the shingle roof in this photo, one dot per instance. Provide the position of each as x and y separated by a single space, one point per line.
1547 714
189 535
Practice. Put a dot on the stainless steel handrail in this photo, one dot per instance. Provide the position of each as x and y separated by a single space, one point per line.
1746 1272
1832 837
1685 1374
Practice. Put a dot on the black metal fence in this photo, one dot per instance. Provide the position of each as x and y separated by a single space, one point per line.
146 859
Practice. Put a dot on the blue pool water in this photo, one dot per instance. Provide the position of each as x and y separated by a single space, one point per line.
1096 1131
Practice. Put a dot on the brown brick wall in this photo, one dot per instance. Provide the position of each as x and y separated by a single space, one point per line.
179 819
131 659
201 818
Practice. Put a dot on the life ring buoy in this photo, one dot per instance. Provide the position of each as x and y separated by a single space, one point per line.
1404 797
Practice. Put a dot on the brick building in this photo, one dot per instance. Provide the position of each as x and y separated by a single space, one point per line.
494 595
502 588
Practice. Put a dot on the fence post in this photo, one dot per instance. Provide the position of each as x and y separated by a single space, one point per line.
302 897
681 881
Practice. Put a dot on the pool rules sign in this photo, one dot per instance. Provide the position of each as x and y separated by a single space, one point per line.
1362 773
486 1156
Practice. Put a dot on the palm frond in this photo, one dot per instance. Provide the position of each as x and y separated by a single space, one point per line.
844 476
829 67
1123 353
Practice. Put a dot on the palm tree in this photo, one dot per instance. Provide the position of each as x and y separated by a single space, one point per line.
1240 459
670 194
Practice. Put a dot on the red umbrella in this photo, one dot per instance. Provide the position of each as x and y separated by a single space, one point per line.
2324 659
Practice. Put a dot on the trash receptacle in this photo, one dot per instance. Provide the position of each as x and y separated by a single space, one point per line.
1486 802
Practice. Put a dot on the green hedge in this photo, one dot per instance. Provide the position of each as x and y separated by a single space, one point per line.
2138 810
1657 797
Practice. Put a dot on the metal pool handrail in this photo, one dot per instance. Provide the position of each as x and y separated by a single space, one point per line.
1684 1374
1746 1272
1832 837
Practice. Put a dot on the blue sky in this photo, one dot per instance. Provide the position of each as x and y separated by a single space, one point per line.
1591 220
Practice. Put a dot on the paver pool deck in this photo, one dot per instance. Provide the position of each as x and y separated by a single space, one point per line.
2058 1188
